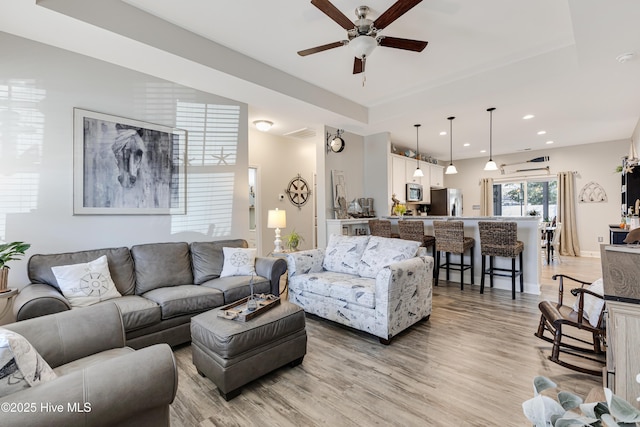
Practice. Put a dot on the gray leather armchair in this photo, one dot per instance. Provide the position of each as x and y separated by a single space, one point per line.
100 381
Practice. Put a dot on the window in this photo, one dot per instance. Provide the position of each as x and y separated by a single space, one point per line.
526 197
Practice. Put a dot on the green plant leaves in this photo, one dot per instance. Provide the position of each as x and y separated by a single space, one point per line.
12 251
541 383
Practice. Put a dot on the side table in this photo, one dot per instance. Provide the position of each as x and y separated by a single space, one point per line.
8 295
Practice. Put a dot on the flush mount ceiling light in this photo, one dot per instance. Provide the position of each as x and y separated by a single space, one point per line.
491 165
542 132
418 172
528 116
451 169
263 125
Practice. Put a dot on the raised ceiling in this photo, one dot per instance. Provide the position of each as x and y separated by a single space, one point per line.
555 59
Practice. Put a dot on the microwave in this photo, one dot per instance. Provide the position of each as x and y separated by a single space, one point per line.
414 192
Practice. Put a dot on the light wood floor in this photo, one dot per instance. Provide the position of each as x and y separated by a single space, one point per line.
471 364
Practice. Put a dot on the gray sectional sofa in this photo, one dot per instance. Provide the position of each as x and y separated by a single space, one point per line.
100 381
163 285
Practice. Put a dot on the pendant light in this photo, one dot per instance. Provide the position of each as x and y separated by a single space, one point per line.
451 169
418 172
491 165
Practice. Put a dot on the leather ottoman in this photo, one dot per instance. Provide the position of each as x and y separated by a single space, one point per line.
232 353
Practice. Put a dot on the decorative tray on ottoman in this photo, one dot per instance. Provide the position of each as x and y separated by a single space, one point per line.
238 310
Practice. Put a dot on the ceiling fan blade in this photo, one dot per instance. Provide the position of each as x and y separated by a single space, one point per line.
394 12
332 12
358 66
320 48
406 44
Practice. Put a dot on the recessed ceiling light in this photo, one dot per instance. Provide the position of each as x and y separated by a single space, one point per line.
443 133
528 116
549 142
483 151
542 132
466 144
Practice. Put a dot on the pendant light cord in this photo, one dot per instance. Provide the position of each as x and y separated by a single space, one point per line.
417 146
490 110
450 139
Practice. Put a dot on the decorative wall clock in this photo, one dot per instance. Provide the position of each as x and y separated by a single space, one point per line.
298 191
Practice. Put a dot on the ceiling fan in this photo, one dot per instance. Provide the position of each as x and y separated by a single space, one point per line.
363 34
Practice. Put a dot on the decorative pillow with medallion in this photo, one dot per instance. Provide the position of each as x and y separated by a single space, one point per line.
21 366
87 283
239 262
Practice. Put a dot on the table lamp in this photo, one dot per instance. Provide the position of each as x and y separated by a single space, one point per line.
277 219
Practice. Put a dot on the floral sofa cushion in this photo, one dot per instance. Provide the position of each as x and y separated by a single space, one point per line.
343 253
382 251
340 286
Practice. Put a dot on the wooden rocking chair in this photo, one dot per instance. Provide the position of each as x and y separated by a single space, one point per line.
559 319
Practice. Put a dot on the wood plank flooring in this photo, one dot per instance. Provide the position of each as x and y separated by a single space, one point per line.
471 364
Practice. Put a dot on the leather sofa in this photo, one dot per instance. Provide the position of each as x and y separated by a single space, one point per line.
162 285
100 381
374 284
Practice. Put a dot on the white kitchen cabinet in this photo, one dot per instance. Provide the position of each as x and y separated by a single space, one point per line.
437 176
402 169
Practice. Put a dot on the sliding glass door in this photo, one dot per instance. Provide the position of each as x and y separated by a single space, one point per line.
537 197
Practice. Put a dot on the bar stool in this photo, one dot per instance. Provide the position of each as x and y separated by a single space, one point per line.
414 230
451 240
500 238
380 227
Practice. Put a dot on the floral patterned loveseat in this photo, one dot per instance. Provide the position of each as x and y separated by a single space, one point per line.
374 284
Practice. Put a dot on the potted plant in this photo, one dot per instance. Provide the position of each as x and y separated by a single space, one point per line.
9 252
292 240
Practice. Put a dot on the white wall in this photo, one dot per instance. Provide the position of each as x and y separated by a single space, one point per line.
280 159
592 162
39 87
351 162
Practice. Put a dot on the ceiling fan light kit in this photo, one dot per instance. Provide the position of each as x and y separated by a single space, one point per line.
363 33
491 165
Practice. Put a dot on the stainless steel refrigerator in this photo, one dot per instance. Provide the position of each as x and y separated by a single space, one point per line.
446 202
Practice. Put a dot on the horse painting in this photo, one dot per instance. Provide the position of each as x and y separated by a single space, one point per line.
129 167
128 149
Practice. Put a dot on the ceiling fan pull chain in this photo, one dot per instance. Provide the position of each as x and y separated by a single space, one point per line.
364 79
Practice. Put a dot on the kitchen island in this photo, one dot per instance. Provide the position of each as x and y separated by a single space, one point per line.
527 233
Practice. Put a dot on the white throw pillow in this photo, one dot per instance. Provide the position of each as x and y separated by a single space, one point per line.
382 251
21 365
86 283
343 253
238 262
592 305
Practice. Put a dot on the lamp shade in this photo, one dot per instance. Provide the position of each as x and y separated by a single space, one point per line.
277 219
491 166
451 169
362 46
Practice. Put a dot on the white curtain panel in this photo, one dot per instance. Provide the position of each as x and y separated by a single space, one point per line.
486 197
569 244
